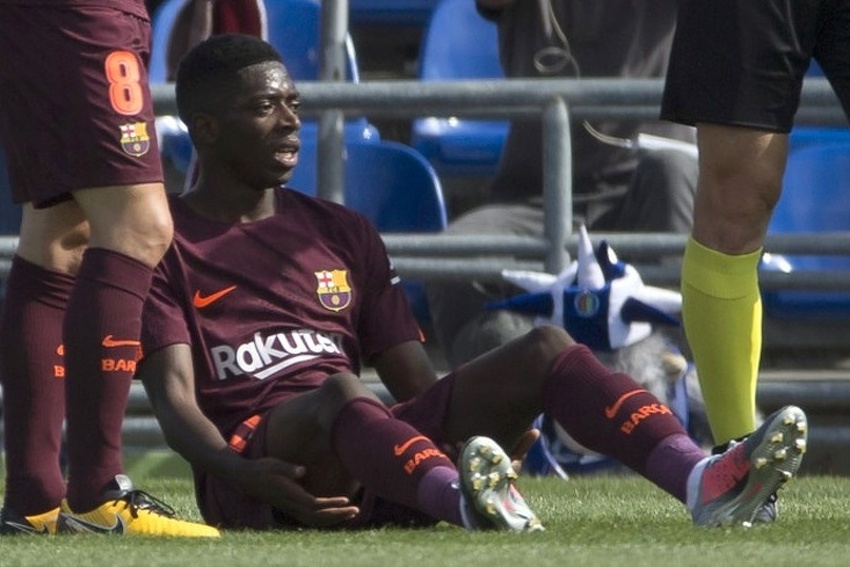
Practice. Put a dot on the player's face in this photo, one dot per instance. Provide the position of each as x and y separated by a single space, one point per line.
259 129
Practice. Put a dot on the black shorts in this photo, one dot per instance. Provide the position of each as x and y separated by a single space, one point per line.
75 106
742 62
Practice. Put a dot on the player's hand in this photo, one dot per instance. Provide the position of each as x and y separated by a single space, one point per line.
522 447
517 454
277 482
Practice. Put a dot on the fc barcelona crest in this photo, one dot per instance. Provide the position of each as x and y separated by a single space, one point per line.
333 290
134 139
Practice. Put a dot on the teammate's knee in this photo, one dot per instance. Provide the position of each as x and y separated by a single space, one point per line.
546 342
160 235
151 240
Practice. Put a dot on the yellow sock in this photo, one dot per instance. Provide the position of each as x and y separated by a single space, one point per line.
722 316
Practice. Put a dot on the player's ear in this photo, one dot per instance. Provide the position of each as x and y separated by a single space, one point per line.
204 128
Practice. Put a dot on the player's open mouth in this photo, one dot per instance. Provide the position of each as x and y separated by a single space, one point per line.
289 157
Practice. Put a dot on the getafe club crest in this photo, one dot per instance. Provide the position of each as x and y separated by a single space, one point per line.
134 139
333 291
586 303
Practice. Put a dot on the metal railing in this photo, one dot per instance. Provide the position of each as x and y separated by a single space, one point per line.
558 101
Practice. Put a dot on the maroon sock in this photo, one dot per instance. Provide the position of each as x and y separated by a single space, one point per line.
671 462
102 328
605 411
394 460
33 390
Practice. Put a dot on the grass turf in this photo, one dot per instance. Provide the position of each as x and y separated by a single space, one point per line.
589 521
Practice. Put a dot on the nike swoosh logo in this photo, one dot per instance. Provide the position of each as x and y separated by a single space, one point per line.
27 528
79 525
611 411
398 450
109 342
201 301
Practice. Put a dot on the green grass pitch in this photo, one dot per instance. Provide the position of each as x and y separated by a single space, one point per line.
622 521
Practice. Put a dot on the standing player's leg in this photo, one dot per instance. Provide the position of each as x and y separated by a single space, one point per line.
740 181
741 90
50 245
31 353
95 79
130 231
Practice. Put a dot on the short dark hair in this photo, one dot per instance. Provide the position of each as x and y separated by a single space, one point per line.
212 64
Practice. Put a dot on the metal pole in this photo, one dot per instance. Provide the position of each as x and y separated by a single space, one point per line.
332 68
557 184
625 99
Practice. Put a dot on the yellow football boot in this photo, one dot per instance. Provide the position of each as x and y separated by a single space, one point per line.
12 523
128 511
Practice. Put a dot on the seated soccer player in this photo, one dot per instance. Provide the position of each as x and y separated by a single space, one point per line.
267 305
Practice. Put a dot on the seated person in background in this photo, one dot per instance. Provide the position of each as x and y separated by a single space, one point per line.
268 303
615 188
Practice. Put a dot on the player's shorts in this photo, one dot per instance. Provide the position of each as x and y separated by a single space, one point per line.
222 505
75 106
742 62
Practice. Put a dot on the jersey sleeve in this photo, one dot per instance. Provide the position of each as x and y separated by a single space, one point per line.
164 319
386 319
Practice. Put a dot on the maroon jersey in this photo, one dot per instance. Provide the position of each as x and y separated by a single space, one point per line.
272 307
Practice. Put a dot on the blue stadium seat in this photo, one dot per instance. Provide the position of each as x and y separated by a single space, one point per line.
293 28
808 136
393 185
387 181
162 21
815 198
459 45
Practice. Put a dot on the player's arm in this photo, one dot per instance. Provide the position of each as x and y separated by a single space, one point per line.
390 338
405 370
168 377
